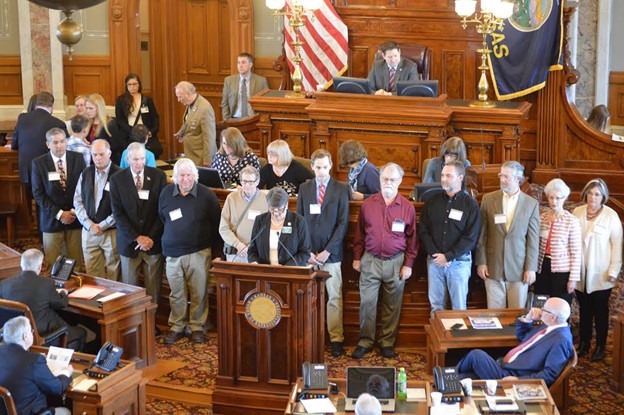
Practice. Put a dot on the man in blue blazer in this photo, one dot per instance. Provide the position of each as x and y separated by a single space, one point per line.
324 203
543 353
54 179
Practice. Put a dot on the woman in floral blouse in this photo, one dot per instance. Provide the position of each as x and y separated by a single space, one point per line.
233 155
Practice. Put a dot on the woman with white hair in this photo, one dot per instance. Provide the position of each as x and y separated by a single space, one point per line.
283 170
559 261
602 260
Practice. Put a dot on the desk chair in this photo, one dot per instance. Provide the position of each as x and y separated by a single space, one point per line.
307 163
419 54
560 390
7 406
10 309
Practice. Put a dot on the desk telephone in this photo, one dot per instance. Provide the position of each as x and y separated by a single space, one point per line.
537 301
446 380
62 268
108 357
315 376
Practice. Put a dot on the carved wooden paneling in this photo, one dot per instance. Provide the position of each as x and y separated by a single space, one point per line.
264 67
10 80
616 97
85 75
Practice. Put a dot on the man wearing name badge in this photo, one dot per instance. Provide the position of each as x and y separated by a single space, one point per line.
190 213
386 72
508 247
198 131
237 89
93 210
134 194
238 215
384 250
543 354
324 203
54 179
449 229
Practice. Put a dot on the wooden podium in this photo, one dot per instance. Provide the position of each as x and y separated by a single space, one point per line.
270 320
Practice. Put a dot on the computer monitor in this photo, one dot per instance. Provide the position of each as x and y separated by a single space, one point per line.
210 177
417 89
423 191
351 85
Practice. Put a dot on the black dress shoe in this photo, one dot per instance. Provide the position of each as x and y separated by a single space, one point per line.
388 352
337 349
359 352
599 354
172 337
582 349
197 336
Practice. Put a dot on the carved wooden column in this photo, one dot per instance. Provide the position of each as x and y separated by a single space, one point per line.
241 39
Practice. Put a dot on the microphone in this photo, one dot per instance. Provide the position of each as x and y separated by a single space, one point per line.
247 246
286 249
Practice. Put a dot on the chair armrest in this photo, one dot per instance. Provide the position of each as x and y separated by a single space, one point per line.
60 333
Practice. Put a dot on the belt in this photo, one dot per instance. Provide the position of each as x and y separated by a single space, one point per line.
385 258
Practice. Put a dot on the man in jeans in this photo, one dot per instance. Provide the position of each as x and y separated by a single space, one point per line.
449 230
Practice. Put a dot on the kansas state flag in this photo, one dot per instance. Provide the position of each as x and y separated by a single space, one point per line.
528 47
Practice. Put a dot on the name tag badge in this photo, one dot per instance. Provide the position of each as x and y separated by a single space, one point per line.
544 233
287 229
456 214
144 109
107 187
175 214
54 176
398 226
143 194
600 229
251 214
315 209
500 219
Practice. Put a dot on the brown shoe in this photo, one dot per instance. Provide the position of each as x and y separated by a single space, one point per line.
197 336
173 336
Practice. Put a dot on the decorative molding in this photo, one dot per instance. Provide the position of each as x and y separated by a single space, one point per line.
81 17
5 32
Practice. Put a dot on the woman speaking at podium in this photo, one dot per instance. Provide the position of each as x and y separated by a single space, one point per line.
279 237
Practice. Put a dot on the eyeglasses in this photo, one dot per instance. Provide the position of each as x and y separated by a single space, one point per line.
550 312
248 181
132 84
556 198
278 211
450 154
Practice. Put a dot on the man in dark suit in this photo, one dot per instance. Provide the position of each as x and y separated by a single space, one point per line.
234 103
29 137
25 374
324 203
54 179
134 196
543 353
385 73
41 297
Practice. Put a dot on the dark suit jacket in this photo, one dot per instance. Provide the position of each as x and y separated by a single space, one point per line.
29 138
117 140
231 84
39 295
379 76
297 242
329 228
50 196
150 119
27 377
136 217
546 358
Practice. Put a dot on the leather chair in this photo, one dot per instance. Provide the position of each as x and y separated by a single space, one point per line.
560 390
419 54
7 406
10 309
307 163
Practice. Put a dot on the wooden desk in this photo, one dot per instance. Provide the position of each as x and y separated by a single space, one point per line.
440 341
126 321
121 392
9 262
544 407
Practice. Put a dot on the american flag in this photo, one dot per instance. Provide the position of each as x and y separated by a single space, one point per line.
325 46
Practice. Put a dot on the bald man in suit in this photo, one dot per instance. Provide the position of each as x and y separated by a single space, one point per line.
233 94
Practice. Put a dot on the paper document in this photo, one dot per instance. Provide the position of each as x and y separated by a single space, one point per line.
485 323
318 406
446 409
58 358
529 392
83 384
416 394
448 323
110 297
87 292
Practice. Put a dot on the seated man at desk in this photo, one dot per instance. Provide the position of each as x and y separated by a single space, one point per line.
543 353
386 72
41 297
25 374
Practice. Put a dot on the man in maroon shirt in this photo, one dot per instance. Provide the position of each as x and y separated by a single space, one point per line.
384 250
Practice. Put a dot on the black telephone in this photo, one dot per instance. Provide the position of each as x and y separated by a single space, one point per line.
446 380
537 301
108 357
62 268
314 375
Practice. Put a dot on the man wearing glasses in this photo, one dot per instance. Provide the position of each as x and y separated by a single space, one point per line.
508 247
384 250
544 351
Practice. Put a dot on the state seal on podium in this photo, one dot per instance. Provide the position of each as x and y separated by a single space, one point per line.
263 310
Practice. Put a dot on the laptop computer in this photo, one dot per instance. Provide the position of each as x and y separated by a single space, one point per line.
210 177
378 381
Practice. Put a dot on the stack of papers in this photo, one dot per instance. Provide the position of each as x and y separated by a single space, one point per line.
416 395
320 406
87 292
529 392
58 359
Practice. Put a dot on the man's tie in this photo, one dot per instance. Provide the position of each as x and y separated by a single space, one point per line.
62 175
244 112
392 75
516 350
138 182
321 193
